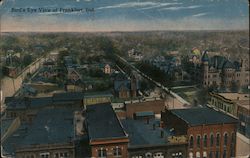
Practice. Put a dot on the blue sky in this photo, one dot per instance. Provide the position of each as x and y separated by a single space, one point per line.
125 15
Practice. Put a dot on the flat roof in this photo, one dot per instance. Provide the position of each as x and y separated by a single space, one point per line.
10 144
68 96
97 94
51 126
102 122
235 96
5 124
244 103
142 134
204 115
144 113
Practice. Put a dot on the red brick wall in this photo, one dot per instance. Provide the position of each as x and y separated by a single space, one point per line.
208 129
156 106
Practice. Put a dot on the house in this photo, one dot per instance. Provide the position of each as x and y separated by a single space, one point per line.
73 75
210 133
107 69
125 88
49 63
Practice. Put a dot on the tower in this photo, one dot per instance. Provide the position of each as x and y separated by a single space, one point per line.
205 60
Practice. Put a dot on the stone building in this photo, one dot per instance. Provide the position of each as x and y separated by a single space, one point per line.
210 133
218 71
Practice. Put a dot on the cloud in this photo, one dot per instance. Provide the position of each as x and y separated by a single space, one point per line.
160 5
200 14
129 5
181 8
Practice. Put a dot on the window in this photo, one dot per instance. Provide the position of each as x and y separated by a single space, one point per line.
102 153
117 152
44 155
198 155
233 138
176 155
217 154
191 155
198 141
211 154
225 139
224 154
56 155
158 155
191 142
217 139
232 151
205 141
148 155
211 140
204 154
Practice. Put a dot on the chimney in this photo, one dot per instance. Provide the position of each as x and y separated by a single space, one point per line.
162 134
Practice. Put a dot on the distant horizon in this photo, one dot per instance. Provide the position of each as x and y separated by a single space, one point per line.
137 31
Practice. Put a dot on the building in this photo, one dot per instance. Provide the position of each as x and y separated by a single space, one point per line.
210 133
236 104
218 71
73 75
155 106
147 139
106 135
107 69
26 108
124 87
51 134
91 98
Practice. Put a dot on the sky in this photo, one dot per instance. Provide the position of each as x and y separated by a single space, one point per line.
122 15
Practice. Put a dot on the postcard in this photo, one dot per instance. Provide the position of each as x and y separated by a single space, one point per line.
124 79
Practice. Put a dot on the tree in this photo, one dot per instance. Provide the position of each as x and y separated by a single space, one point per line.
27 59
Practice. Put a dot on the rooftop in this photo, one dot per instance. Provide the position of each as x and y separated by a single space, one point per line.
235 96
98 94
68 96
102 122
51 126
142 134
200 116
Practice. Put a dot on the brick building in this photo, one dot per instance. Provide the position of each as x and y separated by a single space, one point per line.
220 71
147 139
51 134
236 104
105 132
211 134
155 106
